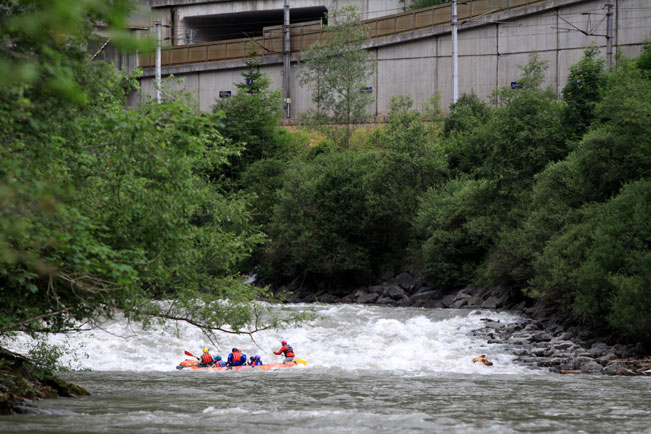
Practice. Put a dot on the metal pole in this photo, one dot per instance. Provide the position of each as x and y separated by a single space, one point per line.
609 33
455 61
286 60
158 59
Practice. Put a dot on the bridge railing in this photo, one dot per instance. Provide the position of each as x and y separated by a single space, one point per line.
305 34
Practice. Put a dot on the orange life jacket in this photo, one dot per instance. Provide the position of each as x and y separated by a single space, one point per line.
236 357
206 358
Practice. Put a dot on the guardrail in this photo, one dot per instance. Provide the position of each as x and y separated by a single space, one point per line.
305 34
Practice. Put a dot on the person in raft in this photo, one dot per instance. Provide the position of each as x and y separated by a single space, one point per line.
255 361
219 362
236 358
287 350
206 358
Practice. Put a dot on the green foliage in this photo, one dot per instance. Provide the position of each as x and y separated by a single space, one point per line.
465 115
250 119
105 209
583 91
452 223
337 70
343 216
419 4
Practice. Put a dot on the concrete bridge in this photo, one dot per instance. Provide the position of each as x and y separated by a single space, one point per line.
413 49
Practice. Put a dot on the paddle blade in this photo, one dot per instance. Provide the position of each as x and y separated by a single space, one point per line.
188 353
301 361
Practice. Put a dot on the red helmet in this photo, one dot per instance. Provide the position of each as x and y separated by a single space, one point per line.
284 342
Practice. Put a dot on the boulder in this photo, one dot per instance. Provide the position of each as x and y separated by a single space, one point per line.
448 300
376 289
405 280
490 303
367 298
425 295
385 300
395 292
591 367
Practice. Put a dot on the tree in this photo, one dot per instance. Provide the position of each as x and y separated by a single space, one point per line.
104 209
420 4
583 91
250 119
337 70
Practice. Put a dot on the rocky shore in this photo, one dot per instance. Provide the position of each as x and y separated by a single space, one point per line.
21 381
542 338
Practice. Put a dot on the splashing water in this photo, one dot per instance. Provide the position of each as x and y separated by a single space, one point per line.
347 337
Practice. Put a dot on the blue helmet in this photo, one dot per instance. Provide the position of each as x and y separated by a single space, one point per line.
218 358
256 357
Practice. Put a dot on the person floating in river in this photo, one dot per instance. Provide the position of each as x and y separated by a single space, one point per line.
206 358
219 362
287 350
236 358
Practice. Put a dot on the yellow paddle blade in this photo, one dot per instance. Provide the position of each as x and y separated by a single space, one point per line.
301 361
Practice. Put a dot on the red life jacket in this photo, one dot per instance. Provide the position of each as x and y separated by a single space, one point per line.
206 358
236 357
289 351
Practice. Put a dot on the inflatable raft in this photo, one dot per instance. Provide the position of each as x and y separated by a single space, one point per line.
194 365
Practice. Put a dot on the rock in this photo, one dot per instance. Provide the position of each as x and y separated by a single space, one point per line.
328 298
425 295
490 303
395 292
448 300
376 289
385 300
563 346
405 302
405 280
591 367
541 337
368 298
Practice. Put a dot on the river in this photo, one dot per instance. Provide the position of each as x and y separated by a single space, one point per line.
370 369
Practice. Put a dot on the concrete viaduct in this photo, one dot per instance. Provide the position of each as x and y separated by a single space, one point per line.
413 49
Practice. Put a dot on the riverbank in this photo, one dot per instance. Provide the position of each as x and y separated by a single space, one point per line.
21 381
543 338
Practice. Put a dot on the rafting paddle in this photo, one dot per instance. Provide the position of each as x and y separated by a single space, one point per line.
188 353
301 361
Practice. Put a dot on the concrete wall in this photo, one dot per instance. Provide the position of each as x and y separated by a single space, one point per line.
173 13
491 52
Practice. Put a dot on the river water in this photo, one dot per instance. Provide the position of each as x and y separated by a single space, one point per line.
370 369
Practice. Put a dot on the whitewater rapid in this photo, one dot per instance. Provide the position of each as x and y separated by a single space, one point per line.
346 337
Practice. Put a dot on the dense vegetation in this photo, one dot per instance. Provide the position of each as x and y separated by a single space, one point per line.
104 209
544 193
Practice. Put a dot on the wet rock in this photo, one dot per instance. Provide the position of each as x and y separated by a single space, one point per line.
591 367
425 295
385 300
405 280
541 337
448 300
376 289
367 298
490 303
394 292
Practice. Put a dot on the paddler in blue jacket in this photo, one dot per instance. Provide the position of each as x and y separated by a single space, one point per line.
236 358
219 362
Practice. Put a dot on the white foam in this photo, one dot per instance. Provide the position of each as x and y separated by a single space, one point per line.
349 337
